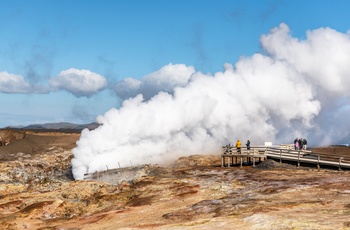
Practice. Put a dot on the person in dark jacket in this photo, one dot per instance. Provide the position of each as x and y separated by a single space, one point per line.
304 144
300 143
296 144
248 145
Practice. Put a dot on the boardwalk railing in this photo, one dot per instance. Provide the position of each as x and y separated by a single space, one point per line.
231 154
310 157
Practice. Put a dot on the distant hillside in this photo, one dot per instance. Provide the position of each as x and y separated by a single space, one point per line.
60 126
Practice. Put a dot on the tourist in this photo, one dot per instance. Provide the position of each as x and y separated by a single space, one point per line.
300 142
238 145
304 144
248 145
296 144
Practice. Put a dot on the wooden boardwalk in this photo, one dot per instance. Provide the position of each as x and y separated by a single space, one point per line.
309 157
230 156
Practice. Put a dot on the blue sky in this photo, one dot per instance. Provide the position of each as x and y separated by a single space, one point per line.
114 40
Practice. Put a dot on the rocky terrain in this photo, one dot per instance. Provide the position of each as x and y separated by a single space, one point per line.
38 192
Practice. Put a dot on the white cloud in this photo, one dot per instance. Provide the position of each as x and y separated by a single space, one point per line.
79 82
11 83
165 80
128 87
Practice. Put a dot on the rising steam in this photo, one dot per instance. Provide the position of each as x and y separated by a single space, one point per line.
297 88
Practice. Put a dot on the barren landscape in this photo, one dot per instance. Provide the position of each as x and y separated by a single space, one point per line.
38 192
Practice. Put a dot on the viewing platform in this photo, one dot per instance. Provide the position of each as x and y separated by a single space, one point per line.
230 155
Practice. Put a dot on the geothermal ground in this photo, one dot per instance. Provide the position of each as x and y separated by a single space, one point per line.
37 192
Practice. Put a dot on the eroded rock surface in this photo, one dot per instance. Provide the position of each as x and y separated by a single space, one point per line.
37 192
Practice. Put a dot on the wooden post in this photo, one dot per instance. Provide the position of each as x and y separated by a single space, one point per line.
249 159
228 161
340 158
318 161
298 159
241 162
280 155
222 161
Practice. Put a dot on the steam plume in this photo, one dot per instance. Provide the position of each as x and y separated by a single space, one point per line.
290 91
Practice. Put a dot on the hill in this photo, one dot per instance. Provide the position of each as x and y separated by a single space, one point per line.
60 126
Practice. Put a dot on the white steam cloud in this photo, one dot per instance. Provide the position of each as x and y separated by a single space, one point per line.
298 88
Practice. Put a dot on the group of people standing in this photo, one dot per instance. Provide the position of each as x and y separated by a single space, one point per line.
300 144
238 145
